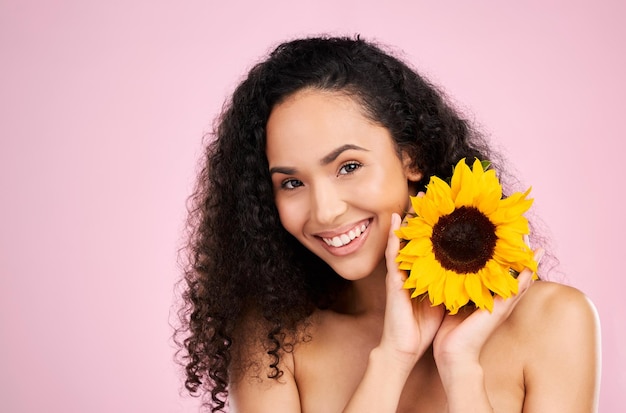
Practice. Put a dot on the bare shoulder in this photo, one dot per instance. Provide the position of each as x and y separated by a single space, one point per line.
554 305
261 375
552 314
559 328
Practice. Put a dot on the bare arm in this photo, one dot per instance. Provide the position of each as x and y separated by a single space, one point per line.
408 331
559 331
458 345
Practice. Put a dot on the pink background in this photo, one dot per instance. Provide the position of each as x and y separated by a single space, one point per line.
103 107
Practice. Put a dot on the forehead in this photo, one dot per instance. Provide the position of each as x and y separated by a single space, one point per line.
315 121
318 106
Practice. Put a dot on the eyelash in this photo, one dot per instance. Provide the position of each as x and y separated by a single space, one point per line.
284 184
291 184
354 164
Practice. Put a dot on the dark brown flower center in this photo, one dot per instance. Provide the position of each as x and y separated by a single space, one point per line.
464 240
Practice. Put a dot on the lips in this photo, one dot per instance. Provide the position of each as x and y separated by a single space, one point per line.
343 239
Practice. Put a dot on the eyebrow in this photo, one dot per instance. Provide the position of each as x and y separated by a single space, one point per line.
334 154
324 161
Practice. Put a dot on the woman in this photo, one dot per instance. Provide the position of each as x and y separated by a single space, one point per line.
294 301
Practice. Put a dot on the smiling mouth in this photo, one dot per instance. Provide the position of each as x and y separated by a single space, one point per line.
346 238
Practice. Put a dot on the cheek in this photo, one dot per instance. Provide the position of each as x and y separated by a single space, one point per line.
291 214
384 189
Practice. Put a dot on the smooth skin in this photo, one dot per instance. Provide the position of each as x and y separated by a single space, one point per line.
379 350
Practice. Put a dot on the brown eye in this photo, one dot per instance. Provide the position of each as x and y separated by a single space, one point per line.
349 168
290 184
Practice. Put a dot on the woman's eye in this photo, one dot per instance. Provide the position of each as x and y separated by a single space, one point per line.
349 167
290 184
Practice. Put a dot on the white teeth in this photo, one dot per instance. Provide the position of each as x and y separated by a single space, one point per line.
345 239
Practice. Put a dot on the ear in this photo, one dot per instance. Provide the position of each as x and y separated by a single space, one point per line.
411 171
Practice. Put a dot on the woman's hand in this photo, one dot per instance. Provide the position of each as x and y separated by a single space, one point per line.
461 338
409 327
410 324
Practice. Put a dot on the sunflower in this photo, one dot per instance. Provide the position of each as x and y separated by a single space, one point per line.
466 241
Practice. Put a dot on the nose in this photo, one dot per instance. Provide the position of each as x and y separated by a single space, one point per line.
327 203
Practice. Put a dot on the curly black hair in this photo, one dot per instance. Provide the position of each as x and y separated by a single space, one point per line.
240 260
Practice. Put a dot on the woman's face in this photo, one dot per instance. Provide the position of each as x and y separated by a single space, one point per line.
337 179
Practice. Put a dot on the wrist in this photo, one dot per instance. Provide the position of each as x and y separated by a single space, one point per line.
456 360
461 375
464 385
381 387
394 360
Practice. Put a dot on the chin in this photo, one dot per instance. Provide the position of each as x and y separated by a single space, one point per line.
358 272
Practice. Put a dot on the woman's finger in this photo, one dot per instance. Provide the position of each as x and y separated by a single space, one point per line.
395 277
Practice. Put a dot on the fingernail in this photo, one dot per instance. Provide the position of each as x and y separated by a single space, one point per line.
395 219
539 253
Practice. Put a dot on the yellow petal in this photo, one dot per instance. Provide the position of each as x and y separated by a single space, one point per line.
426 279
417 247
441 196
436 289
473 286
517 228
466 190
481 296
454 290
416 202
429 211
460 170
477 170
488 199
415 228
497 279
471 187
511 208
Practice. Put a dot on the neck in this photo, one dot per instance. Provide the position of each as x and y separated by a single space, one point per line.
366 296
